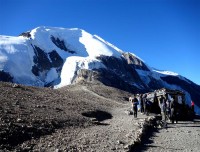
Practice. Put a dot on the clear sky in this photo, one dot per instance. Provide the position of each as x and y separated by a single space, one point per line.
164 33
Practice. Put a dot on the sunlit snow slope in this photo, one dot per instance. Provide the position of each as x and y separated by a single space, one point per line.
76 48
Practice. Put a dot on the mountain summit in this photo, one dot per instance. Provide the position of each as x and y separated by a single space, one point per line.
51 56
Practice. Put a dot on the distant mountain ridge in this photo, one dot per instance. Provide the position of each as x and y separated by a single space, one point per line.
51 56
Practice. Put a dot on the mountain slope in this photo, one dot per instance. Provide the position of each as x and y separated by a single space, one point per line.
50 56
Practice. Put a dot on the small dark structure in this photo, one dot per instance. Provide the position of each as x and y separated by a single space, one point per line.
177 95
184 111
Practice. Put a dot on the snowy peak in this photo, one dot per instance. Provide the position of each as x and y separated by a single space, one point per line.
39 57
71 40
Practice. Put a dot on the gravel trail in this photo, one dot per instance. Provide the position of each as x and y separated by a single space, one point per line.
184 136
82 117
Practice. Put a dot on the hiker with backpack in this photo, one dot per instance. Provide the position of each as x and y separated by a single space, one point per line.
135 104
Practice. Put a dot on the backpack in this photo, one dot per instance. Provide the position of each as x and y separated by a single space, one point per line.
135 102
148 103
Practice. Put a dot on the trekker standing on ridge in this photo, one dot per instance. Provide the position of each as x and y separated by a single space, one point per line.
135 103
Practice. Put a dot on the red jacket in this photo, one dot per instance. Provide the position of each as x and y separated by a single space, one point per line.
192 103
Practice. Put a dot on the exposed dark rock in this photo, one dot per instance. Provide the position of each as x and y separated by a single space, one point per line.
5 76
105 76
110 78
26 34
86 75
44 62
155 84
120 73
121 68
35 70
135 62
56 60
61 44
41 61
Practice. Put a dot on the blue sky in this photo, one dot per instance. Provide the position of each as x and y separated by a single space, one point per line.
164 33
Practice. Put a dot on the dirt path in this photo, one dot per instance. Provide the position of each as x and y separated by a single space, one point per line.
184 136
114 134
95 94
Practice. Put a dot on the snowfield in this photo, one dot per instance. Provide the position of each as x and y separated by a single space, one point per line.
17 54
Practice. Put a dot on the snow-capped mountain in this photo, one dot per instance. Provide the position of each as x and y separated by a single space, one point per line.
47 56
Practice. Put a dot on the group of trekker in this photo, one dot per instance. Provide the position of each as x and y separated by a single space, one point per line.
167 107
168 110
143 103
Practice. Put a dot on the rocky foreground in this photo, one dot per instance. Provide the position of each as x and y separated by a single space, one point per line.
81 117
181 137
